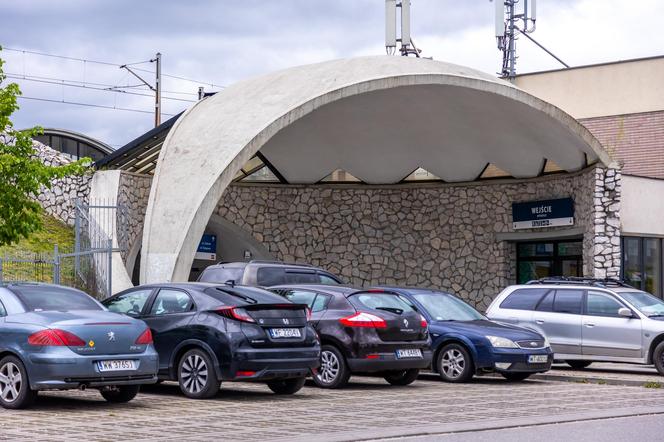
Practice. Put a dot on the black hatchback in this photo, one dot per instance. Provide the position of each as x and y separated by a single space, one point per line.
209 333
363 332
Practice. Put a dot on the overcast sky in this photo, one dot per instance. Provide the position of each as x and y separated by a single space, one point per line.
223 41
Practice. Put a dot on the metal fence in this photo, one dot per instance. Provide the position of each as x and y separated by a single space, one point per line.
88 266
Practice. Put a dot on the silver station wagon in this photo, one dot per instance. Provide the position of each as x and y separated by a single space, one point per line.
588 320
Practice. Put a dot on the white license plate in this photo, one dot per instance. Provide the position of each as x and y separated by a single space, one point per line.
538 359
118 365
409 353
278 333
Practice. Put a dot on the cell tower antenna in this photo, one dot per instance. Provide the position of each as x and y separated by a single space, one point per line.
407 44
507 31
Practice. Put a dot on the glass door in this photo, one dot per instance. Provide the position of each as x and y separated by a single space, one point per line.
549 258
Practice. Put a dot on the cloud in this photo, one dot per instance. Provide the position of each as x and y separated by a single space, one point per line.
226 41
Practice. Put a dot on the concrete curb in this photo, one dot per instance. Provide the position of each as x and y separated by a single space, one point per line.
463 427
593 380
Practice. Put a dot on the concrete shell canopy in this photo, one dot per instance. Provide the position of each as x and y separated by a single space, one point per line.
378 118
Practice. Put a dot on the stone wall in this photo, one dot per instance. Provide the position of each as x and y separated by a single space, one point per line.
431 235
60 199
133 195
436 235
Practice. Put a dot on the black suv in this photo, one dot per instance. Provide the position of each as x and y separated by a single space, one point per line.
363 332
266 273
208 333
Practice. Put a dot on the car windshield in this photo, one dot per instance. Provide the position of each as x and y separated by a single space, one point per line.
44 298
645 302
444 307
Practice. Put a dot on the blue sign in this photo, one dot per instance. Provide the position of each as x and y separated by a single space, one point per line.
207 248
547 213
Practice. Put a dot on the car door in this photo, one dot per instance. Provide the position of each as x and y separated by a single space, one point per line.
168 315
558 315
605 332
317 302
131 303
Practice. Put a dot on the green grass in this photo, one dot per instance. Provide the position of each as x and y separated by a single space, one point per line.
652 385
54 232
38 246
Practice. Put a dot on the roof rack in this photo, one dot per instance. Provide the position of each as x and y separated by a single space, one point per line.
576 280
265 261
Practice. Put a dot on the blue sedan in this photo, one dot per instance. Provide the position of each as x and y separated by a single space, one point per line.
54 337
466 343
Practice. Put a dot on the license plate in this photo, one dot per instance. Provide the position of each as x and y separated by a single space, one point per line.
279 333
409 353
118 365
538 359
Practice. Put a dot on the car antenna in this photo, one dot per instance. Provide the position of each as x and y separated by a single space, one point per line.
230 282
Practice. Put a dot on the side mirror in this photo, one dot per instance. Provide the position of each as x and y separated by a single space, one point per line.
625 312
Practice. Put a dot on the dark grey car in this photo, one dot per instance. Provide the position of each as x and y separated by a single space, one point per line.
266 274
54 337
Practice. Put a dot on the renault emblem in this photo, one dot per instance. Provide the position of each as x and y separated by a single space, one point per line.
91 343
111 336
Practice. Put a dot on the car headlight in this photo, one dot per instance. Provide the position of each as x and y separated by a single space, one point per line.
498 342
547 344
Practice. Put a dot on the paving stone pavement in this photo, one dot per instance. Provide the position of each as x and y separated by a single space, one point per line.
252 412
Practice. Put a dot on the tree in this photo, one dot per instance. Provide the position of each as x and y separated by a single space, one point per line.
22 174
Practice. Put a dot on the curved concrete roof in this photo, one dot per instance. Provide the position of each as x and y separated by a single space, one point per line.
378 118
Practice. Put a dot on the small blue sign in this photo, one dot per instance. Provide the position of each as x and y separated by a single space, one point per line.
546 213
208 244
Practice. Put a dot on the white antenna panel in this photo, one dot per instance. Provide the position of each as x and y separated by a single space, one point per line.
390 23
405 22
533 10
500 18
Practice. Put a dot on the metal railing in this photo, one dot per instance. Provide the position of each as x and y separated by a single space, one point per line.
89 266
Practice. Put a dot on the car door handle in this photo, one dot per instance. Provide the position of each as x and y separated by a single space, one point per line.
539 321
589 325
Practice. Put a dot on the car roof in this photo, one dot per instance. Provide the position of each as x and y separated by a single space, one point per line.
576 286
411 290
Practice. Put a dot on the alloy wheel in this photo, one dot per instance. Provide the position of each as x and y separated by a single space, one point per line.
329 367
453 363
11 382
194 374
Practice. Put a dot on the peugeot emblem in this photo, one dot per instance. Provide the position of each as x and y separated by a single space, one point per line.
111 336
286 321
405 322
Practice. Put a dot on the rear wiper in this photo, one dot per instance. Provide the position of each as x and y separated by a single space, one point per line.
237 295
391 310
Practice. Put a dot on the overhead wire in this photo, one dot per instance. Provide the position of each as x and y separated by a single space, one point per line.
90 105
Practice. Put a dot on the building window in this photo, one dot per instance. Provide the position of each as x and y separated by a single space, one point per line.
548 258
642 263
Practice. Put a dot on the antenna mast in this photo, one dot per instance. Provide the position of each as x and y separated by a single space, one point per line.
407 44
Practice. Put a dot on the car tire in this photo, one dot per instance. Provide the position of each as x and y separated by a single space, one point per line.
333 371
286 386
197 376
658 358
120 394
455 364
516 376
15 392
578 365
402 377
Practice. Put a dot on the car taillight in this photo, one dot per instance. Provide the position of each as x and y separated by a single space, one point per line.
363 319
308 314
239 314
423 322
145 338
55 338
